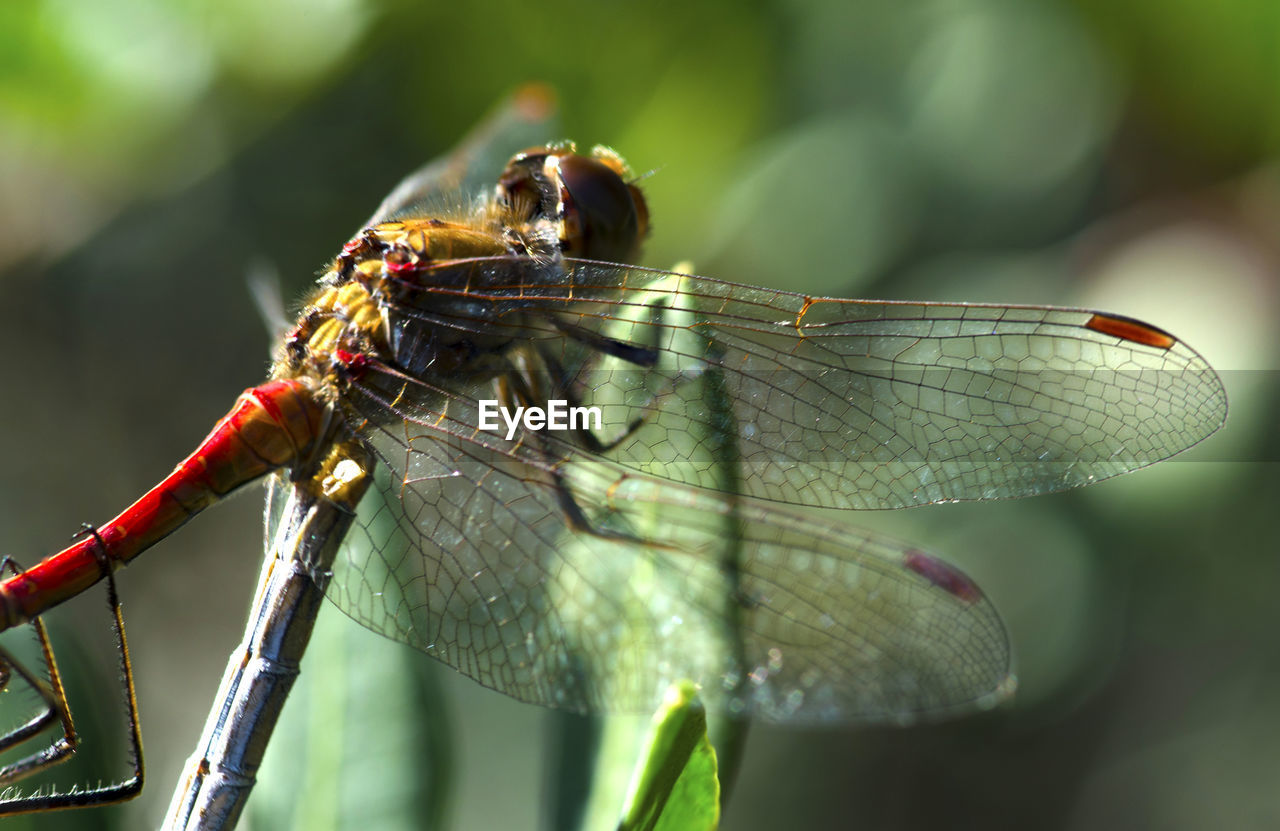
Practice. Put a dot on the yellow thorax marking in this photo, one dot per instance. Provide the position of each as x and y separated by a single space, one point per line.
351 312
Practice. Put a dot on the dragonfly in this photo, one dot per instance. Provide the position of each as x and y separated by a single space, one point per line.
589 566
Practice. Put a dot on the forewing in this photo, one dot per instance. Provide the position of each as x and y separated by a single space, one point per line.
858 403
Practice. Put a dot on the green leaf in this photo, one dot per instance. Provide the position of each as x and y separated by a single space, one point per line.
674 787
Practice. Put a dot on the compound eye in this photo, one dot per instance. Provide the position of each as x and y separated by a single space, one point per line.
604 217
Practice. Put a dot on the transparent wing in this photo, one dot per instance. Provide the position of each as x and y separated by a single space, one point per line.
526 118
582 586
589 568
848 403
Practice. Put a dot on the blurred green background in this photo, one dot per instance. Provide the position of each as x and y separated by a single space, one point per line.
1122 155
